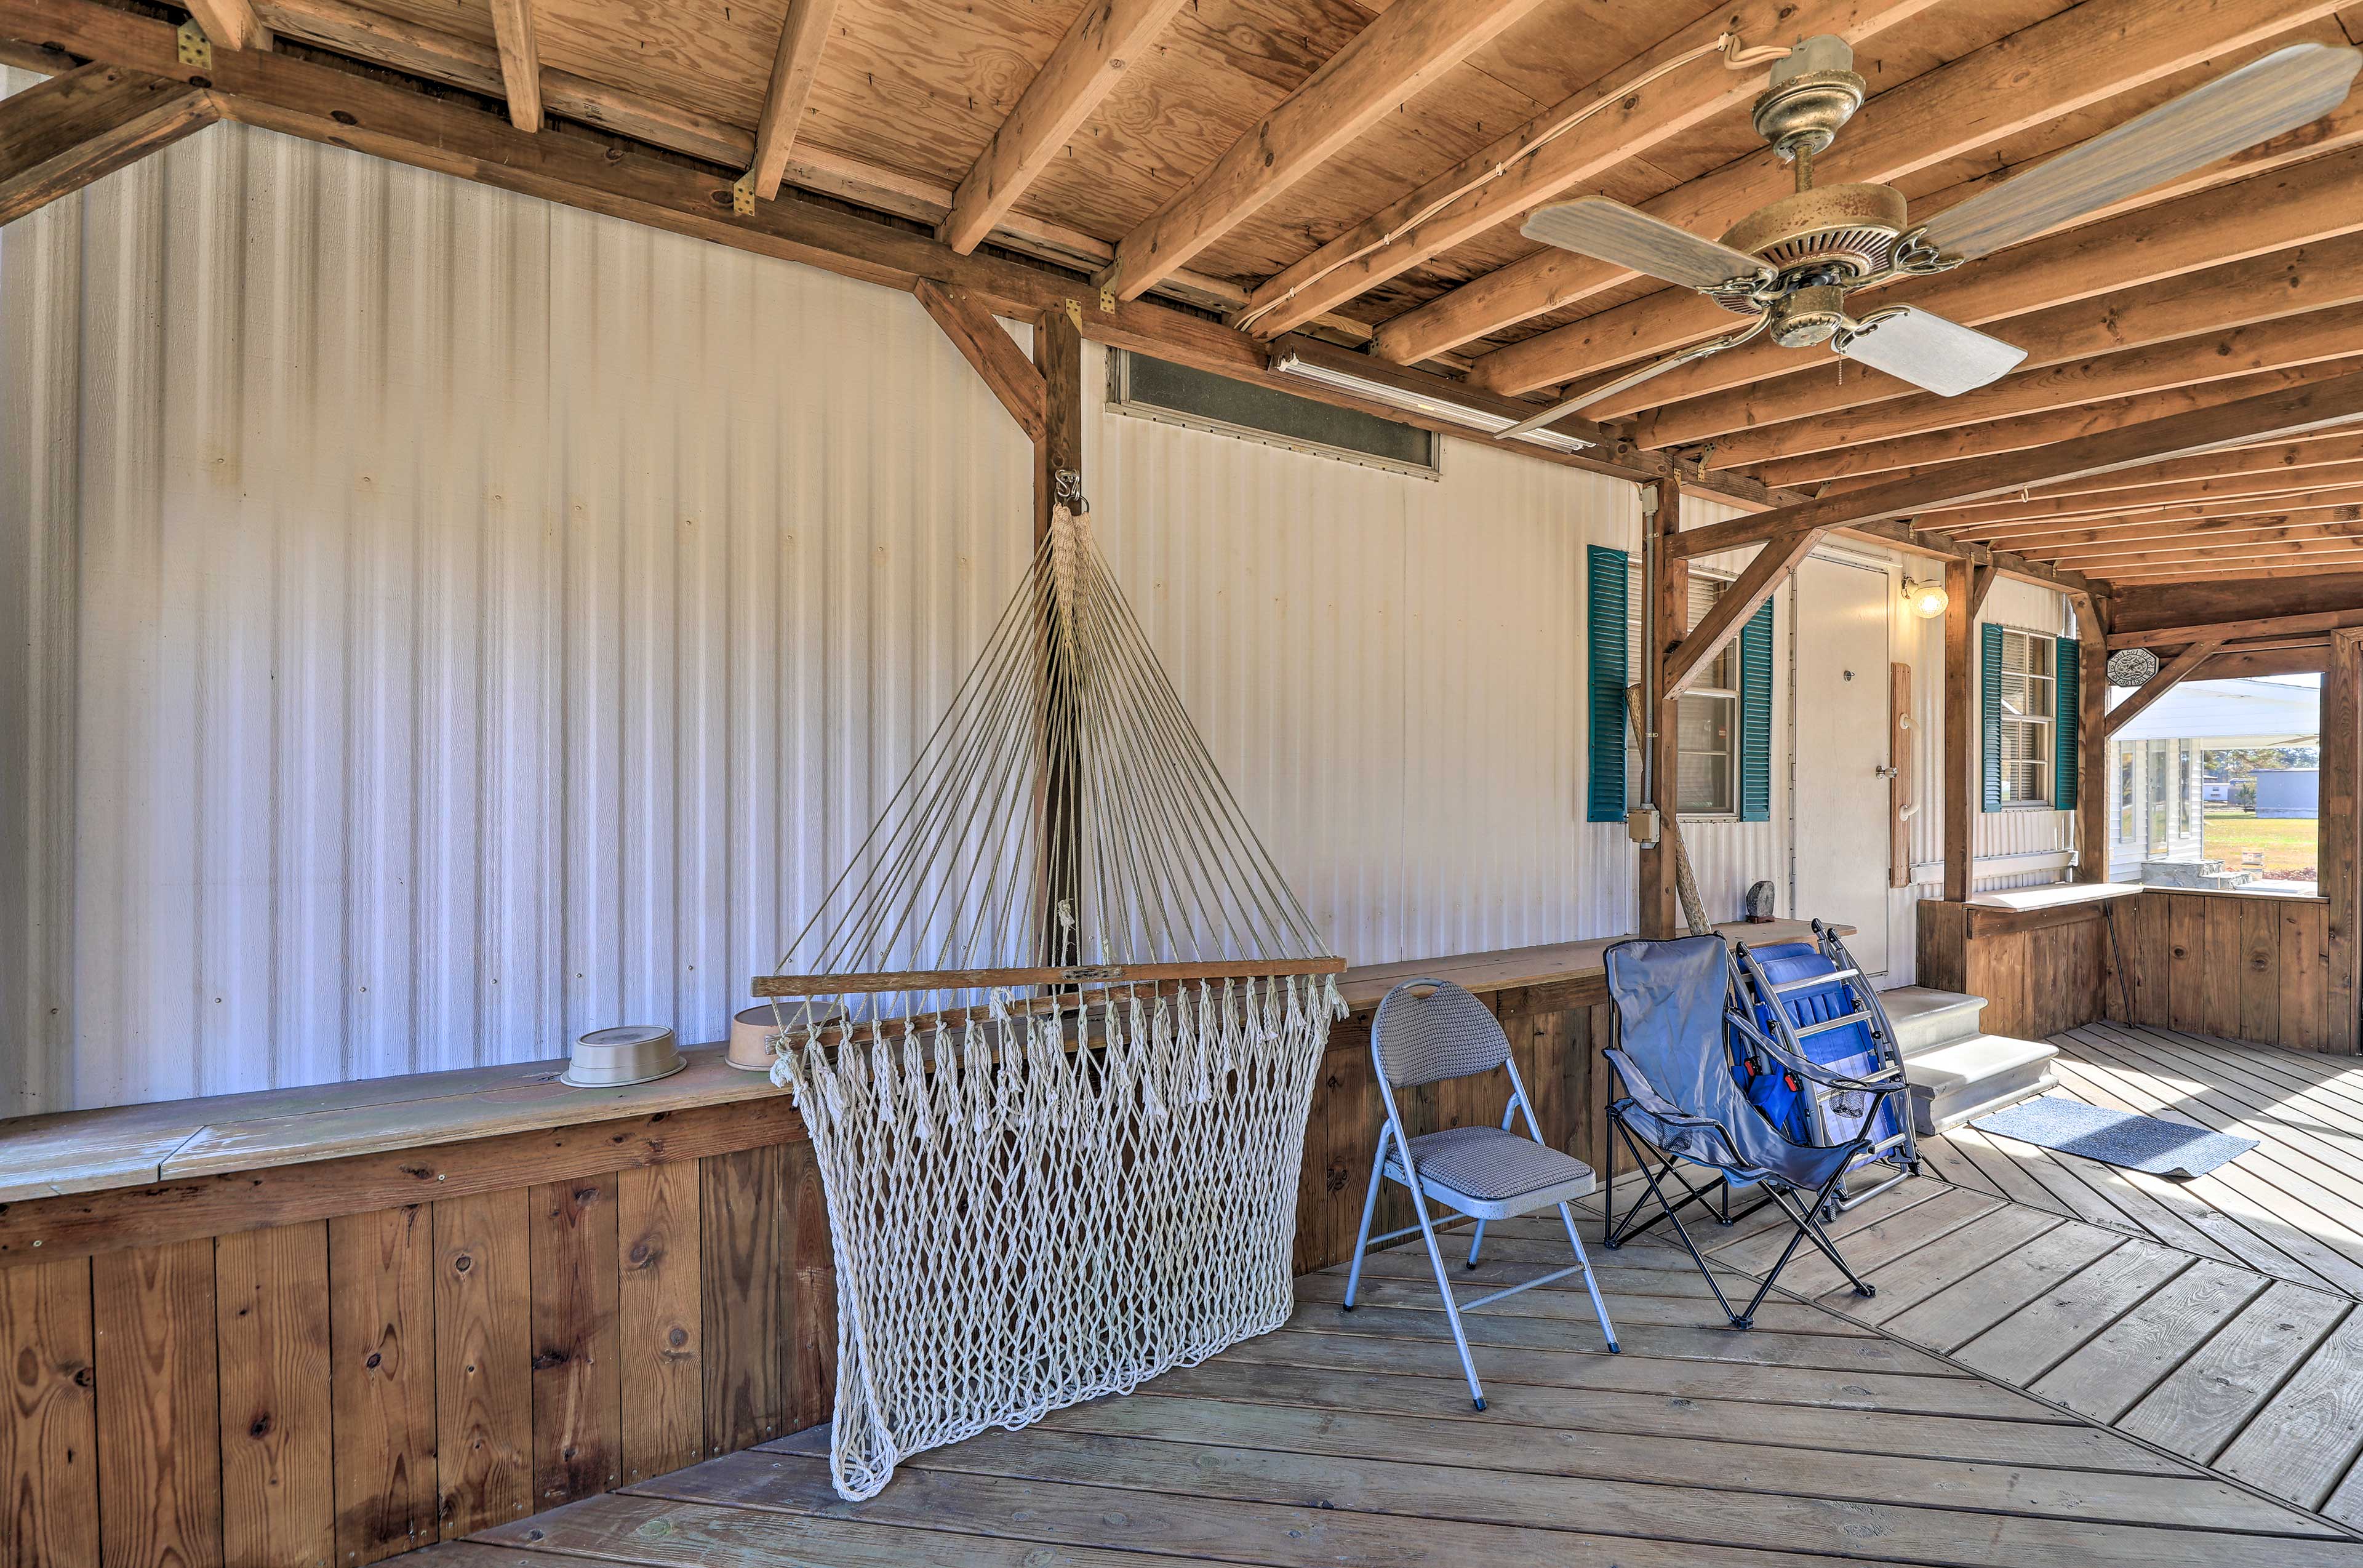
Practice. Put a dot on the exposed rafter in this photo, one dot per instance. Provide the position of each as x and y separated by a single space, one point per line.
520 62
231 24
1976 446
2315 406
2342 465
1090 59
2212 517
2156 367
58 136
1683 84
1412 44
2041 73
803 35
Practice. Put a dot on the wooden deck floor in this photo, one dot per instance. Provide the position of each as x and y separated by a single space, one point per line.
1821 1437
2293 1209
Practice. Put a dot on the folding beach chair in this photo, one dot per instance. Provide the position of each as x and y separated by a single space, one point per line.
1483 1171
1683 1037
1813 1003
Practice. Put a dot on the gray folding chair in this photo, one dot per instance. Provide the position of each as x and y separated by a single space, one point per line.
1485 1173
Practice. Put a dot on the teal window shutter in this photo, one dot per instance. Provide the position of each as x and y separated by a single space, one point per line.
1606 572
2068 695
1990 713
1755 716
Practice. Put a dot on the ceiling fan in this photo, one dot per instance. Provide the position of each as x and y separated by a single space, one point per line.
1790 265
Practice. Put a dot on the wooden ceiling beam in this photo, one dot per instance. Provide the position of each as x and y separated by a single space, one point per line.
2314 201
1082 71
1573 143
58 136
2079 57
2232 458
1410 44
1902 536
2156 686
2281 344
1976 446
2311 407
231 24
2213 516
804 34
2096 507
520 62
369 111
2269 539
438 56
2232 665
2235 574
1753 423
2169 617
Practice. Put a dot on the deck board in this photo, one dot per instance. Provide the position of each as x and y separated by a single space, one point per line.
1959 1418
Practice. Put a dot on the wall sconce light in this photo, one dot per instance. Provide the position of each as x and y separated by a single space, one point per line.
1927 600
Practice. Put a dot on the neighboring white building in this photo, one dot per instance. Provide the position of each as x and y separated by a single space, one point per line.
2155 760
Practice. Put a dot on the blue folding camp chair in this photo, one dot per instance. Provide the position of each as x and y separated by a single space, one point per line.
1424 1032
1812 1002
1682 1030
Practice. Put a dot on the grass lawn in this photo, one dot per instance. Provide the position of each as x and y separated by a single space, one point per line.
2293 845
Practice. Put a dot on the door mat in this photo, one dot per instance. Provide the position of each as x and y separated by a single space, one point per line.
2115 1138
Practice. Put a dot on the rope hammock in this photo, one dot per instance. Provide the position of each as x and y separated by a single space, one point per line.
1054 1033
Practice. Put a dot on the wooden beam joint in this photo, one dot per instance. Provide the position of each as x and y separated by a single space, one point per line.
991 352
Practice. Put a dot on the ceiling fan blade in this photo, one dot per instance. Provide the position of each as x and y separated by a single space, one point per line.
1589 396
1943 357
1611 231
2265 97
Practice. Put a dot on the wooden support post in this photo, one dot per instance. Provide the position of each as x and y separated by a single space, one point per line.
1961 781
58 136
1059 357
2093 783
1660 902
2341 830
1981 582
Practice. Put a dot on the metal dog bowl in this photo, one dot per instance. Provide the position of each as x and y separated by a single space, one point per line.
754 1029
634 1053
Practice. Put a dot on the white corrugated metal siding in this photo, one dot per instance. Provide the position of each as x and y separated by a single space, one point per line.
476 621
1390 669
453 622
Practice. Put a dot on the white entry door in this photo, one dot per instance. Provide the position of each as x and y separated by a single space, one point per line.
1844 620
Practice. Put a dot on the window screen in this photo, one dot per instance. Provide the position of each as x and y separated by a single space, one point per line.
2027 712
1181 394
1708 714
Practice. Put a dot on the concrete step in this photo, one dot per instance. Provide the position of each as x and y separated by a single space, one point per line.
1927 1018
1954 1084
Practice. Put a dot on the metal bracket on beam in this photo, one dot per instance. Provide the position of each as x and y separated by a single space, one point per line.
197 51
742 194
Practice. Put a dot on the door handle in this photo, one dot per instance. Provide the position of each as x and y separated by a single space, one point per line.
1884 772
